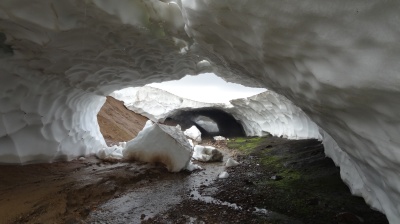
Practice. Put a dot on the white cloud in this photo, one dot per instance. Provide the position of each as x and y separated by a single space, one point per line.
207 88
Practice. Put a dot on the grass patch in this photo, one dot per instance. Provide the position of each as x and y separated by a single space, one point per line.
310 189
245 145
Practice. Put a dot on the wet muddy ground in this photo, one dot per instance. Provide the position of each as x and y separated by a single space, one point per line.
278 181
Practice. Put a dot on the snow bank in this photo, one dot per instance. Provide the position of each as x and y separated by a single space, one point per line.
137 100
160 143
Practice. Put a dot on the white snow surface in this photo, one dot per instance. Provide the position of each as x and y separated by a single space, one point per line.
208 124
336 60
193 133
219 138
110 153
160 143
263 113
231 162
206 154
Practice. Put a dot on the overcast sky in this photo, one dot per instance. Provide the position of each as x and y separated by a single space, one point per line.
207 88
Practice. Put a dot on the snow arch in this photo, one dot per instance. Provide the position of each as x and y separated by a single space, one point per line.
337 61
227 125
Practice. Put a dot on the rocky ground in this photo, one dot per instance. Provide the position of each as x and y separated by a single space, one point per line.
278 181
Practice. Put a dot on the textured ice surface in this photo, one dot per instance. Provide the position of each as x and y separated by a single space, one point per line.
263 113
207 124
162 103
193 133
206 154
336 60
160 143
111 153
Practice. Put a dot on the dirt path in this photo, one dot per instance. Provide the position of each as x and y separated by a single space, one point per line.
88 191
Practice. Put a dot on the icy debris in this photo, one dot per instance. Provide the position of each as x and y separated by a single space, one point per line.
160 143
110 153
231 162
193 133
219 138
191 142
149 123
122 144
191 166
207 154
223 175
82 158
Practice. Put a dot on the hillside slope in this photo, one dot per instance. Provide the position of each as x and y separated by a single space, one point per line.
117 123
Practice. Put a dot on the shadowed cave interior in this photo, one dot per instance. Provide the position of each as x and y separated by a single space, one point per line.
210 121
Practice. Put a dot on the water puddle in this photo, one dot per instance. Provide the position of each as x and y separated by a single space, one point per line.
151 197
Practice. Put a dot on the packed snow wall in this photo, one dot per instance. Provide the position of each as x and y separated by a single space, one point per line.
264 113
336 60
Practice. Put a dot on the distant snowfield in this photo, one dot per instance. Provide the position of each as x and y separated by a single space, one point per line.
207 88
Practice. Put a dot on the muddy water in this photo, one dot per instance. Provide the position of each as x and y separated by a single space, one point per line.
153 196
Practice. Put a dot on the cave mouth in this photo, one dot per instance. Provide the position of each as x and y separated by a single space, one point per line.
210 122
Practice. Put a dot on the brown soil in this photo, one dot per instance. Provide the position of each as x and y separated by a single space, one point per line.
117 123
67 192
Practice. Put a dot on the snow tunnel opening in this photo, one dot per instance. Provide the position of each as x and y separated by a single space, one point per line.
210 122
120 122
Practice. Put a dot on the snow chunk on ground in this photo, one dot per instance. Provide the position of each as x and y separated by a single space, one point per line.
191 142
193 133
110 153
191 166
231 162
219 138
207 154
160 143
223 175
149 123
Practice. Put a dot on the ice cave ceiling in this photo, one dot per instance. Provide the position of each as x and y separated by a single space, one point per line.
336 60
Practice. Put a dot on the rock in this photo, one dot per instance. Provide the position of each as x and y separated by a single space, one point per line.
348 218
223 175
231 162
276 177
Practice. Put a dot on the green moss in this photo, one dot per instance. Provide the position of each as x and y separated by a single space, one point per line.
245 145
310 188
